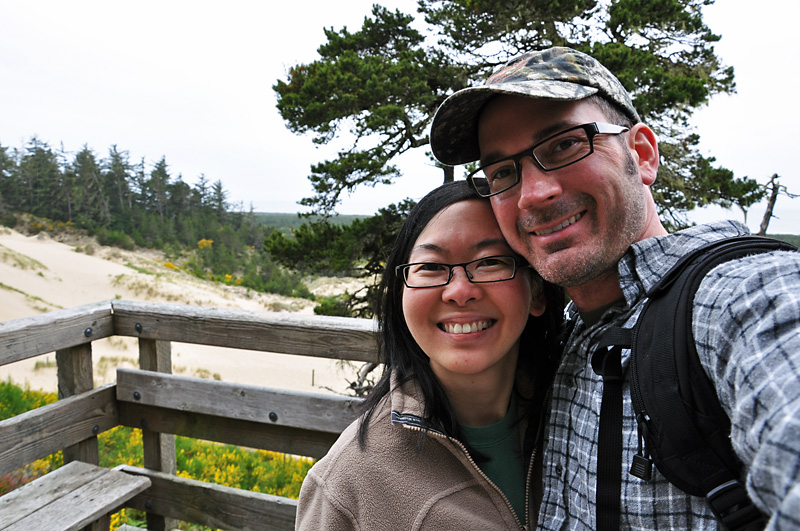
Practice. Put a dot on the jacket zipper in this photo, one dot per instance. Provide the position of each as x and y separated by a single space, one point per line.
440 435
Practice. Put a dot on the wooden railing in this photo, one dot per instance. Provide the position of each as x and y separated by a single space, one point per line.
162 404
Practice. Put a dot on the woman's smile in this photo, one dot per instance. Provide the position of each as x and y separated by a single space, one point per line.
467 328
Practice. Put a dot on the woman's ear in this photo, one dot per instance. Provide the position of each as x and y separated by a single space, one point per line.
538 303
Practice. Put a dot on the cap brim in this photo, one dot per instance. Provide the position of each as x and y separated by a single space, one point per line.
454 130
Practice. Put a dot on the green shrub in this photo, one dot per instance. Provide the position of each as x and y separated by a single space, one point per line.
115 238
337 305
15 399
7 219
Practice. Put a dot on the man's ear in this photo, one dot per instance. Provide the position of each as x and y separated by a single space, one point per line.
645 147
538 303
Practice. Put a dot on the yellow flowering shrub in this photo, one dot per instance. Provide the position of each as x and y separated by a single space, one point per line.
232 466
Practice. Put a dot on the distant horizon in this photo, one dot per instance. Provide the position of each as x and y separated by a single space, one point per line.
336 214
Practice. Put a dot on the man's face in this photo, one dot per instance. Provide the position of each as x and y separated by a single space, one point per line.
572 224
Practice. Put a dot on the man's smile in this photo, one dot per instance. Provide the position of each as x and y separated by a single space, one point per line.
564 224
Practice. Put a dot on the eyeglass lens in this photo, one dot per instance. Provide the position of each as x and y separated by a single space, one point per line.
489 269
558 151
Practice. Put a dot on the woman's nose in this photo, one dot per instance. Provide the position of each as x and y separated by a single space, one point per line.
460 290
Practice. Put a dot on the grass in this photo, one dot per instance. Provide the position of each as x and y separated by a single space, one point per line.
139 269
19 260
32 298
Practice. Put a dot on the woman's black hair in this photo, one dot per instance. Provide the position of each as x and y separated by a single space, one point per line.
398 350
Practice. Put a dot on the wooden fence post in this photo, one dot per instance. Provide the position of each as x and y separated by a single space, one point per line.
76 376
159 448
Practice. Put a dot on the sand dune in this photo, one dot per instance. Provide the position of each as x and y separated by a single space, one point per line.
39 274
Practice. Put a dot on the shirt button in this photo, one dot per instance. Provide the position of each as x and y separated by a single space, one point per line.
559 469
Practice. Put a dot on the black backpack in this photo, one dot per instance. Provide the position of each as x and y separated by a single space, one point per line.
682 427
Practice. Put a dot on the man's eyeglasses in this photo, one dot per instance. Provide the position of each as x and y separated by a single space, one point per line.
553 153
479 271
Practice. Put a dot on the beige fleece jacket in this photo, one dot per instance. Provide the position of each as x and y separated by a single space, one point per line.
393 485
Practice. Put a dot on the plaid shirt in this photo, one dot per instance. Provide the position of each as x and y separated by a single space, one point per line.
747 328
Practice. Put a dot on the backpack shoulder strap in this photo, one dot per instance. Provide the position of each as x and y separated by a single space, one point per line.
682 424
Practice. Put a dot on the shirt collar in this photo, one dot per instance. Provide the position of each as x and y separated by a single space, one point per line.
648 260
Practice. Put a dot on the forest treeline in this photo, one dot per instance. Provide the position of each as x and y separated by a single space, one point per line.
128 204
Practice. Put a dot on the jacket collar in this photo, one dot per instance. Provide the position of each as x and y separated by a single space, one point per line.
407 401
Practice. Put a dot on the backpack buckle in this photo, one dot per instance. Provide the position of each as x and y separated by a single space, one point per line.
731 505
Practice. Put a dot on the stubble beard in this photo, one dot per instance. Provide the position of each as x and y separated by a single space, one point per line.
572 264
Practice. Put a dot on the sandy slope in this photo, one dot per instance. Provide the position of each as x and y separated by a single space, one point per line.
39 274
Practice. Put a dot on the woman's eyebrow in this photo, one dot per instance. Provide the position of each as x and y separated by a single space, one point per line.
480 245
490 242
427 247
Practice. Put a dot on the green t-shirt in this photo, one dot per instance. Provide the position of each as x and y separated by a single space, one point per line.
505 466
592 316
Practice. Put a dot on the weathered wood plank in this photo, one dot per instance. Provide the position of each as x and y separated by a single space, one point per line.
212 505
320 336
296 441
45 490
75 376
31 336
238 401
40 432
68 498
158 448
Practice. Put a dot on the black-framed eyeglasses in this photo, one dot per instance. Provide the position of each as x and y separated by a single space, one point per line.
479 271
552 153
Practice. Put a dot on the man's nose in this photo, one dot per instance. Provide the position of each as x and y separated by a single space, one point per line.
536 185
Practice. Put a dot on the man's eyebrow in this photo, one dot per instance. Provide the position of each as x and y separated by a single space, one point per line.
540 135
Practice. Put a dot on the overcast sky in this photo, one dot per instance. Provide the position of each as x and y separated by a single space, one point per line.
192 81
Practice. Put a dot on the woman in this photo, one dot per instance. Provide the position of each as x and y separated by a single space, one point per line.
449 430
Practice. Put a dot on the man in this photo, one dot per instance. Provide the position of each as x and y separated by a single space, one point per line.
567 165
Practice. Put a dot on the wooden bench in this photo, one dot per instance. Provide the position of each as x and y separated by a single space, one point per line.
69 498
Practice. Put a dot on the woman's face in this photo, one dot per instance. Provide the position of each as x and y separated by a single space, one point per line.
468 329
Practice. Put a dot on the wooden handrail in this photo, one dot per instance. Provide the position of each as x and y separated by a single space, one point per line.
307 335
162 404
318 335
278 407
29 337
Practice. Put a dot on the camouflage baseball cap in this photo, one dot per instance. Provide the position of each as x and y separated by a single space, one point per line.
556 74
